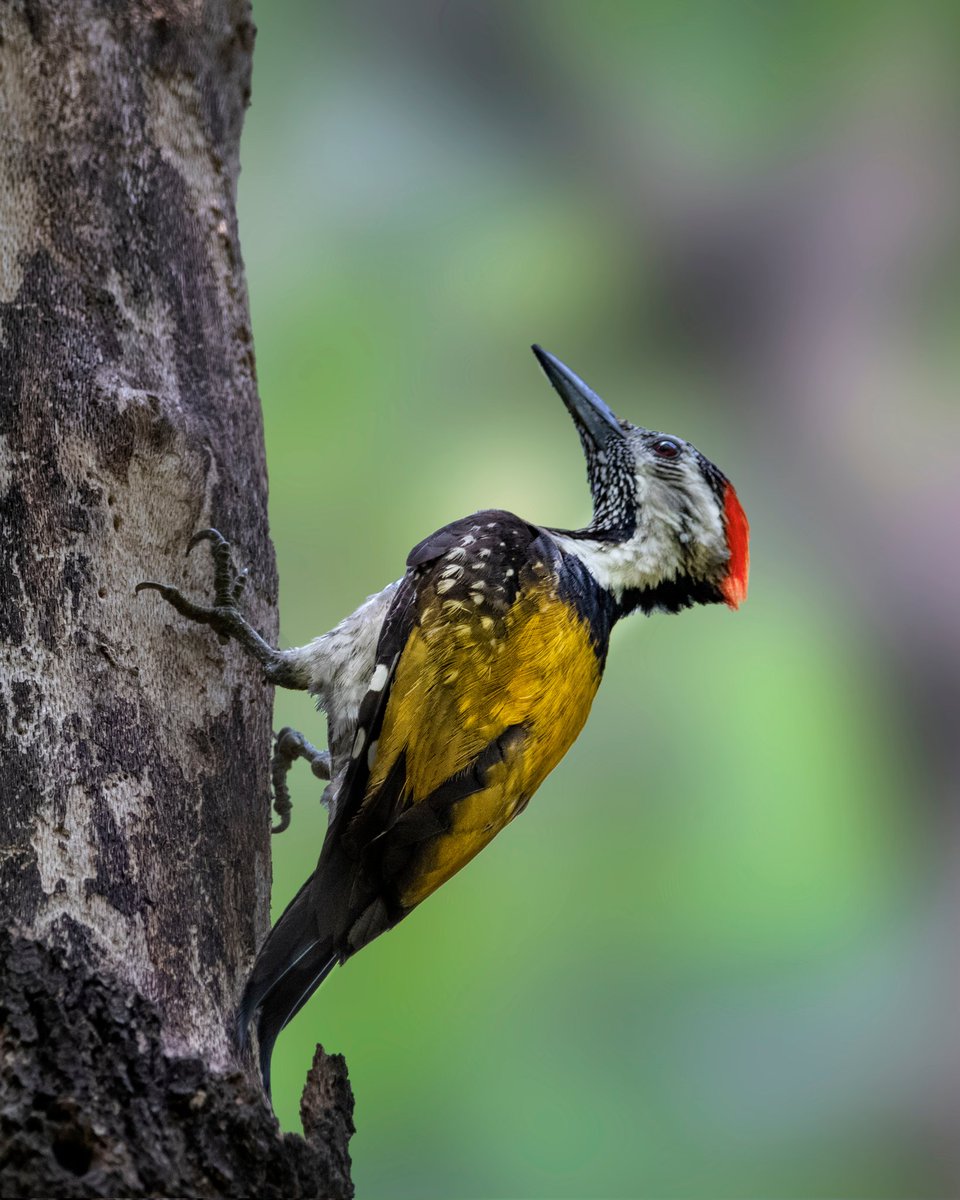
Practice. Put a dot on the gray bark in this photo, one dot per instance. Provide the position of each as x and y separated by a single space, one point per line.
134 799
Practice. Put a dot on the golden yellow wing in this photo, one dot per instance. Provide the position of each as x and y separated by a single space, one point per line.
492 685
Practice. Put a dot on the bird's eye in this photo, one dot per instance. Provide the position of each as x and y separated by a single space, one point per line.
666 448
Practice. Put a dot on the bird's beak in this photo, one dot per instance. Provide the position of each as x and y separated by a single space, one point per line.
593 418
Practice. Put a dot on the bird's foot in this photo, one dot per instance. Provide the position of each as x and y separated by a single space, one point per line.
224 616
288 747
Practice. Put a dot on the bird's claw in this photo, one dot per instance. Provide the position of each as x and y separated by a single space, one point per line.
223 616
173 596
228 582
288 747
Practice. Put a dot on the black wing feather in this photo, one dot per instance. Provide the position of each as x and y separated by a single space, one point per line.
345 901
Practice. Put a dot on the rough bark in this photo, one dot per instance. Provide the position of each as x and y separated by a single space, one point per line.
134 804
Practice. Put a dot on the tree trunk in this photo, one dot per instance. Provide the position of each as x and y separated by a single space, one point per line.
134 800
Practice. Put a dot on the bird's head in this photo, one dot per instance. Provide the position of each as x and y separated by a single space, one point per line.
667 530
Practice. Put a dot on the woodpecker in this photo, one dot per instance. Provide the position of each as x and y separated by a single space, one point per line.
454 692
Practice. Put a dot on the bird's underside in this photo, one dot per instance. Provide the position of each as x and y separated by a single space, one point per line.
452 693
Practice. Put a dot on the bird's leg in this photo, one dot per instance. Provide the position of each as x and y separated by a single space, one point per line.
224 616
288 747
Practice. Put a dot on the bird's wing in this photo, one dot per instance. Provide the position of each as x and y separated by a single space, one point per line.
485 677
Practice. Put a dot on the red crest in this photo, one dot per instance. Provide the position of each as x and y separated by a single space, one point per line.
734 585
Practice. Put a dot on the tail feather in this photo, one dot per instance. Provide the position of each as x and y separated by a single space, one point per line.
286 999
292 963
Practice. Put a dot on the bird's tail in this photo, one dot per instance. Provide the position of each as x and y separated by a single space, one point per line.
292 963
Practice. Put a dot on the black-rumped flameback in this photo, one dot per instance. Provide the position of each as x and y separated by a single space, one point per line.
454 692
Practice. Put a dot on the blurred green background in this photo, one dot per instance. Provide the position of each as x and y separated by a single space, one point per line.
711 960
